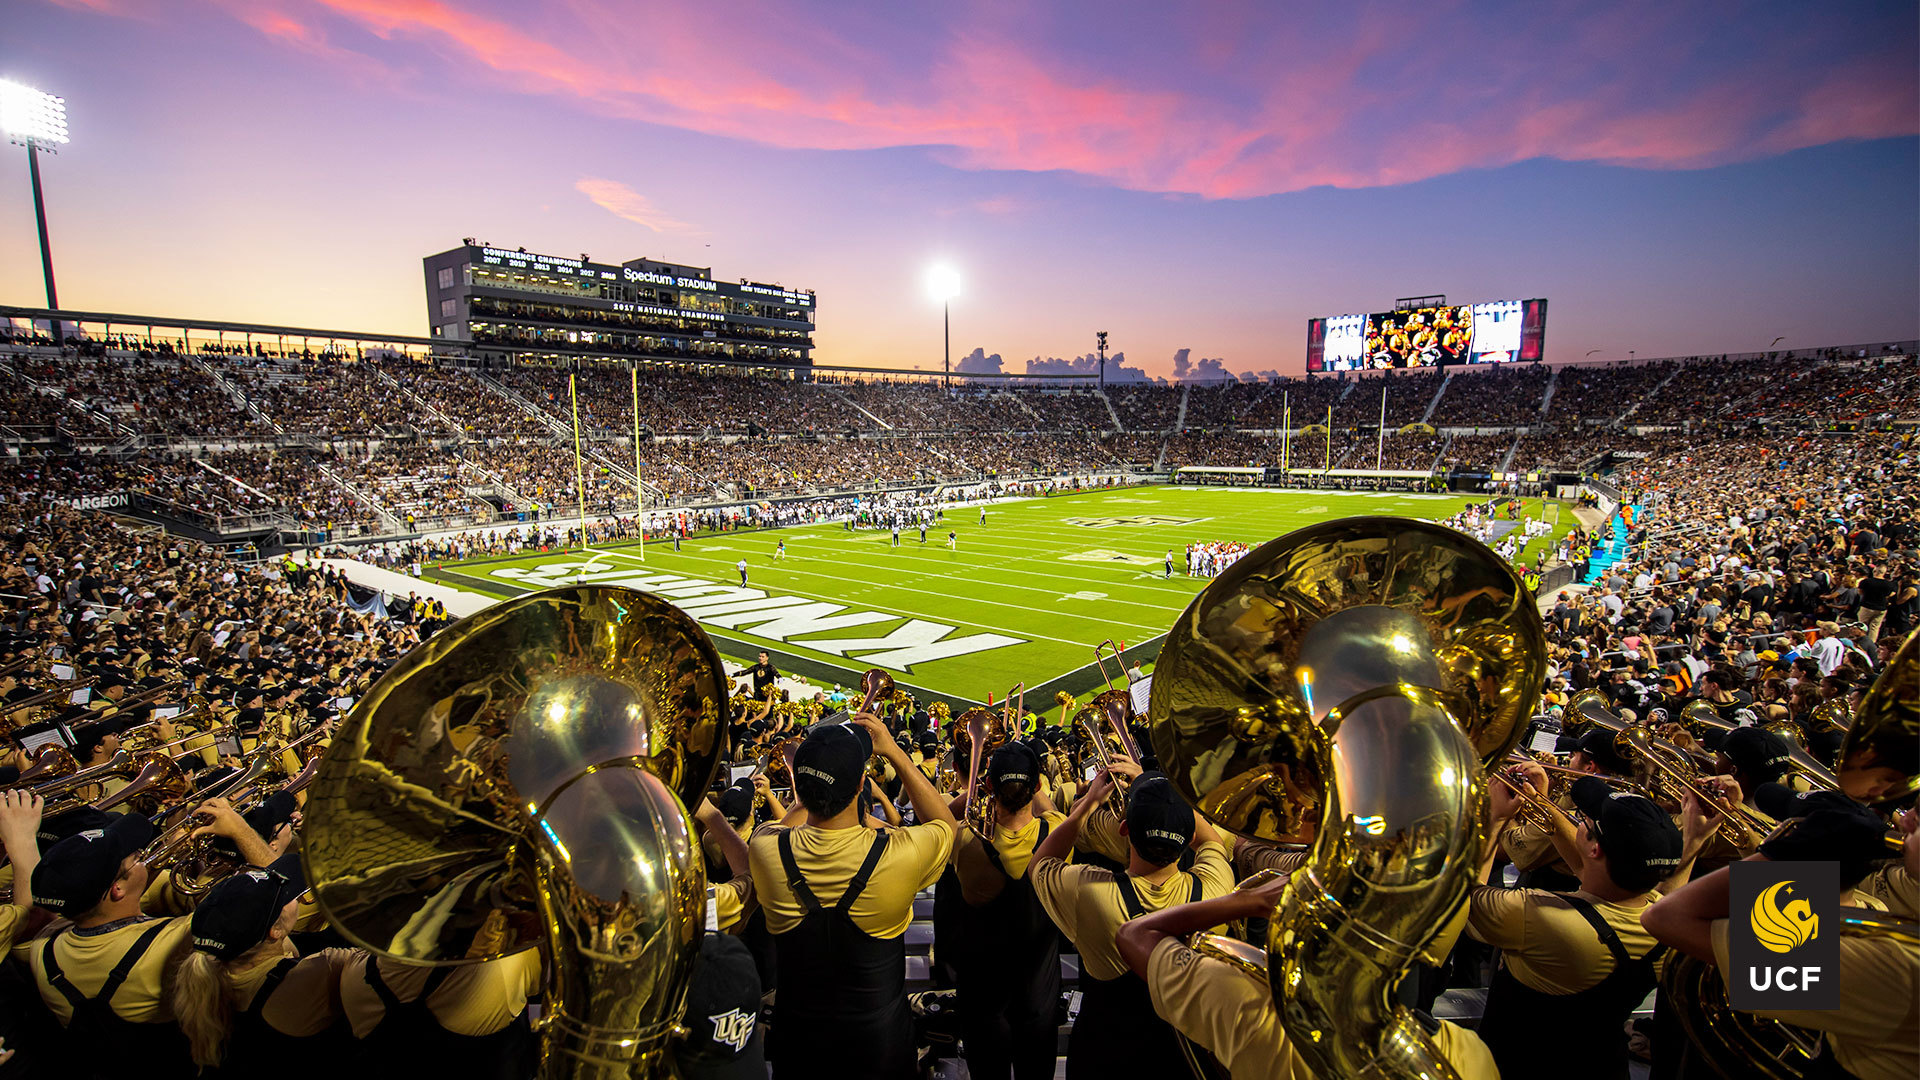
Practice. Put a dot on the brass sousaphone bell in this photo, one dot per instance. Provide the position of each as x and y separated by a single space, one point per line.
523 778
1345 686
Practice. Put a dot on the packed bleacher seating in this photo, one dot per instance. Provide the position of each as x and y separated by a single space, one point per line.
1604 393
1766 576
1492 398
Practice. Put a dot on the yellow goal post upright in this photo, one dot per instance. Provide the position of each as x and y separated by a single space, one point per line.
639 493
579 462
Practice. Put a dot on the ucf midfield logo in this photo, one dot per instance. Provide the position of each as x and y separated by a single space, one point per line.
1783 939
1134 521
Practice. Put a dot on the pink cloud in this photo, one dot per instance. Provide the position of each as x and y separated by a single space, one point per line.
622 201
1372 99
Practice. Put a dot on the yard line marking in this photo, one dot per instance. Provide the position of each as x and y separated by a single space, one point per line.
966 574
660 565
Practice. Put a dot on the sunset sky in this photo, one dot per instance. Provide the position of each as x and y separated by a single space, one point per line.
1675 178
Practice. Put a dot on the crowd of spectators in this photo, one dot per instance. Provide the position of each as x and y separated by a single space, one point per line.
348 400
1496 397
1603 393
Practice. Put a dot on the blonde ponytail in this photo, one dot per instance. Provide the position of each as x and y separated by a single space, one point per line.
203 1007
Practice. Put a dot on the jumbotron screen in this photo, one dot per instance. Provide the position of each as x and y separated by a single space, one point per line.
1495 332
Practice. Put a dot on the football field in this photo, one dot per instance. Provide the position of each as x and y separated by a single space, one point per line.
1024 597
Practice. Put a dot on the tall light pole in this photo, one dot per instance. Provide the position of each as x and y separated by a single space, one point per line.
1100 344
37 121
944 283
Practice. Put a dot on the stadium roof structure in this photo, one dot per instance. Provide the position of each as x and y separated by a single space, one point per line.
107 322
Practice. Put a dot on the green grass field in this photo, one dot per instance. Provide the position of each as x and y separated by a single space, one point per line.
1026 597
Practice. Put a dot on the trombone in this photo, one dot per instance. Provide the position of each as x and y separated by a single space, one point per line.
1102 725
44 699
1677 776
1699 718
985 734
52 762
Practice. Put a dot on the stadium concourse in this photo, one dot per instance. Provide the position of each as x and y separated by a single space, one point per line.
1753 546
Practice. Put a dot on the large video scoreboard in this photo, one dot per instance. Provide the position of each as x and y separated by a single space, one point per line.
1494 332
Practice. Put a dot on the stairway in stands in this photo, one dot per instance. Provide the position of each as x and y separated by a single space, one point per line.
1427 417
1616 549
1115 413
1546 396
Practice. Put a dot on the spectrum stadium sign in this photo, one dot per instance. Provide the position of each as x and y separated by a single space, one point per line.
1494 332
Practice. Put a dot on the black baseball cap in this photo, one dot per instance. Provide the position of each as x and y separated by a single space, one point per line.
1762 755
1159 821
1012 763
237 913
75 873
57 827
1640 840
723 1040
274 811
1827 826
736 802
1597 743
829 764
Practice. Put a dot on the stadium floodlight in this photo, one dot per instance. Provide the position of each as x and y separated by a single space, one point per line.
37 121
944 283
30 117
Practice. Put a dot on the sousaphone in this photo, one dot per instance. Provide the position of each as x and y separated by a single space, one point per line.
1345 686
522 778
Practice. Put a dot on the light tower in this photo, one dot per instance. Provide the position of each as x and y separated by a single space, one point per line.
37 121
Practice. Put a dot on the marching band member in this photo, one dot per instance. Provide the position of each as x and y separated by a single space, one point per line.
1575 965
1009 972
838 898
1230 1011
1875 1033
245 999
104 971
1117 1032
468 1020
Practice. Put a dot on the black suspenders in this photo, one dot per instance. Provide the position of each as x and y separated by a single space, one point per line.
1608 936
58 979
393 1004
272 982
993 853
1131 899
809 903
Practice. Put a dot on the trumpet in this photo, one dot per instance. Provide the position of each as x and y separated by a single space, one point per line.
1541 811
